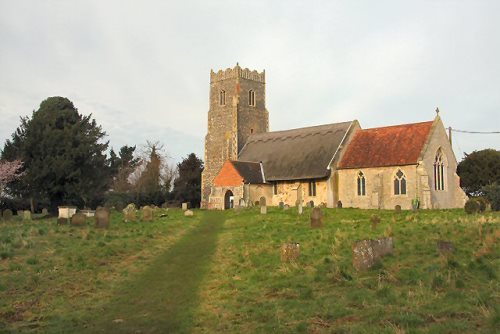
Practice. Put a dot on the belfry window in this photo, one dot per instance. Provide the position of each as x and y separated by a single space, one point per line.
251 98
312 188
439 171
399 183
361 184
222 98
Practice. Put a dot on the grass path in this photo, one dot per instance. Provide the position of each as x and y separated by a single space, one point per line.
163 299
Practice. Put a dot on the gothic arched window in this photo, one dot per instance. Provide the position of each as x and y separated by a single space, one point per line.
251 98
222 97
361 184
399 183
439 170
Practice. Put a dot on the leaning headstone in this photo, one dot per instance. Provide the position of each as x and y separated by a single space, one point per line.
290 252
102 218
397 208
310 204
188 213
367 253
27 215
7 214
300 209
185 206
281 205
78 219
147 213
129 213
45 212
316 218
263 206
445 247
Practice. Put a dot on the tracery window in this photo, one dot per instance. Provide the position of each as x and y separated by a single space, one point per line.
361 184
399 183
439 170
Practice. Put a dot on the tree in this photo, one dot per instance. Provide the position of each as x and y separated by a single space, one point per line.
63 154
121 167
187 186
9 171
479 169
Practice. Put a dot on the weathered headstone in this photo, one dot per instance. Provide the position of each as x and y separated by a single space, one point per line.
300 209
7 214
339 204
310 204
375 220
129 213
368 252
147 213
188 213
27 215
316 218
286 207
445 247
45 212
281 205
102 216
397 208
78 219
66 211
185 206
290 252
263 206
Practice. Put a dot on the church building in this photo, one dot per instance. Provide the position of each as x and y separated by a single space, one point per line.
331 164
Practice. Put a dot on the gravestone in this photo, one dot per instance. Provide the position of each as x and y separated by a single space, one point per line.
367 253
7 214
147 213
27 215
310 204
316 218
281 205
300 209
445 247
62 221
188 213
242 203
290 252
102 216
66 211
263 206
286 207
375 221
78 219
45 212
339 204
397 208
185 206
129 213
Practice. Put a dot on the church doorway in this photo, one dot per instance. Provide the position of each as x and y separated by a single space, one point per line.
228 200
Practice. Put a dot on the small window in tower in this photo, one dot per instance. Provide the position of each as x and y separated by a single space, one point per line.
222 98
251 98
251 131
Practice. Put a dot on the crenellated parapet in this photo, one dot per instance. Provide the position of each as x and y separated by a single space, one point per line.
237 72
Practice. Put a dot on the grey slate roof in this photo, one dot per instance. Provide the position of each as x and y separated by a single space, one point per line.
250 171
295 154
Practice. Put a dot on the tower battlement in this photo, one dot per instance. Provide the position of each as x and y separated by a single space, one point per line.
237 72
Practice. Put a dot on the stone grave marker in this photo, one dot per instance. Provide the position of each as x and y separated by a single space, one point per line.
368 252
78 219
397 208
290 252
375 220
339 204
286 207
188 213
66 211
7 214
185 206
281 205
62 221
445 247
45 212
129 213
102 216
300 209
27 215
310 204
263 206
316 218
147 213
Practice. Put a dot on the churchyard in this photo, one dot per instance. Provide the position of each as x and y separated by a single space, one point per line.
240 271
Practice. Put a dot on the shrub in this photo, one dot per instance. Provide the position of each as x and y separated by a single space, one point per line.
492 194
471 206
483 203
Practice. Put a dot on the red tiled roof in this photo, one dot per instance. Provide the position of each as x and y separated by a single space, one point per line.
388 146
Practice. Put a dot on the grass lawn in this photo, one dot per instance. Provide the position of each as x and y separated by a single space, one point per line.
222 273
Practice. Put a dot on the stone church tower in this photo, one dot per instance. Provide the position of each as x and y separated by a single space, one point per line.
237 109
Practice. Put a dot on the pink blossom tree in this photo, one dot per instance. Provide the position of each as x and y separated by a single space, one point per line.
9 171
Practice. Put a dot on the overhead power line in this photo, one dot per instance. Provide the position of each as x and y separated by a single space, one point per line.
475 132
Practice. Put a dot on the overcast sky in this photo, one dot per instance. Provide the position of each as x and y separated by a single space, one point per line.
142 67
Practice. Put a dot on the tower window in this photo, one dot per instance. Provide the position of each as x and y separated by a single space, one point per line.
251 131
312 188
439 171
251 98
222 98
399 183
361 184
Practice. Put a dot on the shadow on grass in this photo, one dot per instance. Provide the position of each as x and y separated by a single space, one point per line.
163 298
